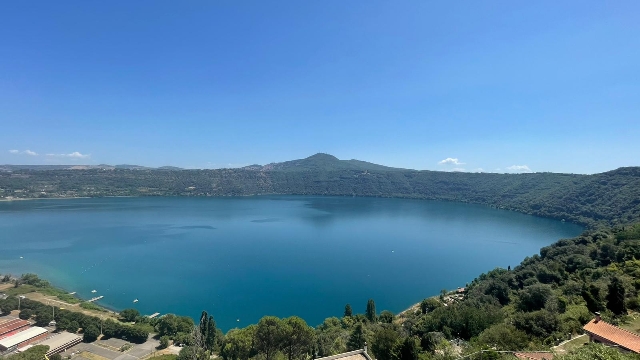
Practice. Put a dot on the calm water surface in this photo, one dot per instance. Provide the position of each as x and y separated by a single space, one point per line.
242 258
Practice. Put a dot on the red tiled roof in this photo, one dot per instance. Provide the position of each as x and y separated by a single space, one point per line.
540 355
614 334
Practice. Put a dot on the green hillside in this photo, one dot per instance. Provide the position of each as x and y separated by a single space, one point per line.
592 200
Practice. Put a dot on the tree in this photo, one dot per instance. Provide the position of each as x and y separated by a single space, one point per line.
44 317
91 334
268 337
429 304
386 317
129 315
409 350
164 342
371 310
55 357
591 296
238 344
298 338
385 343
534 297
504 337
26 314
356 339
207 329
615 297
347 310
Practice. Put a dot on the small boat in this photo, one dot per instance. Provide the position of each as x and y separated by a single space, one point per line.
21 257
135 301
94 291
72 293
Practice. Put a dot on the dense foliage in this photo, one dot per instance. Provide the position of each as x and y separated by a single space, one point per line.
608 198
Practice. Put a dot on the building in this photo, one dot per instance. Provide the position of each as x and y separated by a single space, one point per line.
12 326
351 355
22 338
602 332
61 342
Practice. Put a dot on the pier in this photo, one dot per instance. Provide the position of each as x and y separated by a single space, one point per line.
95 299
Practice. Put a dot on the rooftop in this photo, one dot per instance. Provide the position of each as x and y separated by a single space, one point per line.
625 339
21 337
60 339
351 355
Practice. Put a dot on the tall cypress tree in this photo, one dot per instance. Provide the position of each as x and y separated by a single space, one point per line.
371 310
208 331
347 311
615 297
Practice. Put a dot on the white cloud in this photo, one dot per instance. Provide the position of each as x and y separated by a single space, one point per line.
478 170
451 161
519 168
458 170
26 152
73 155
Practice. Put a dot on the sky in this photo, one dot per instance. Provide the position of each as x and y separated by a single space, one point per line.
494 86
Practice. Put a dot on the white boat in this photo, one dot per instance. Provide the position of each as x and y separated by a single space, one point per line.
94 291
135 301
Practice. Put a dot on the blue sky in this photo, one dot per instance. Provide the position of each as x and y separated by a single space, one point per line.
497 85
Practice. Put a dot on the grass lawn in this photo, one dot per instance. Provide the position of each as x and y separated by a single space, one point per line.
634 324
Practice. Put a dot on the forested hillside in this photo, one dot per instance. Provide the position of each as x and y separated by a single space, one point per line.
602 199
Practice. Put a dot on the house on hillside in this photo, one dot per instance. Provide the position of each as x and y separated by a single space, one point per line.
602 332
351 355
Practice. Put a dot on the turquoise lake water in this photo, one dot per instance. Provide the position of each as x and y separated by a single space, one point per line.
243 258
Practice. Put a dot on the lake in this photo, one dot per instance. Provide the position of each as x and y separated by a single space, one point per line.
243 258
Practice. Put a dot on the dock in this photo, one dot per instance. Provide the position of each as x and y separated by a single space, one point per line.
95 299
153 315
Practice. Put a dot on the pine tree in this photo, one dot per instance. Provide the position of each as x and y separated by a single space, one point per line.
371 310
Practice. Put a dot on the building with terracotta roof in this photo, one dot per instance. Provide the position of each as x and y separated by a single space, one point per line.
602 332
10 326
351 355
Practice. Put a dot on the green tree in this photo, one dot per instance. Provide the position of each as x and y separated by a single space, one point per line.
44 317
55 357
91 334
238 344
207 329
129 314
615 297
348 311
298 338
386 317
385 344
410 349
164 342
268 337
371 310
26 314
356 339
429 304
504 337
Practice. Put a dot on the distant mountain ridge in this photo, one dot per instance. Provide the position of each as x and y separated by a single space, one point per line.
607 198
321 162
